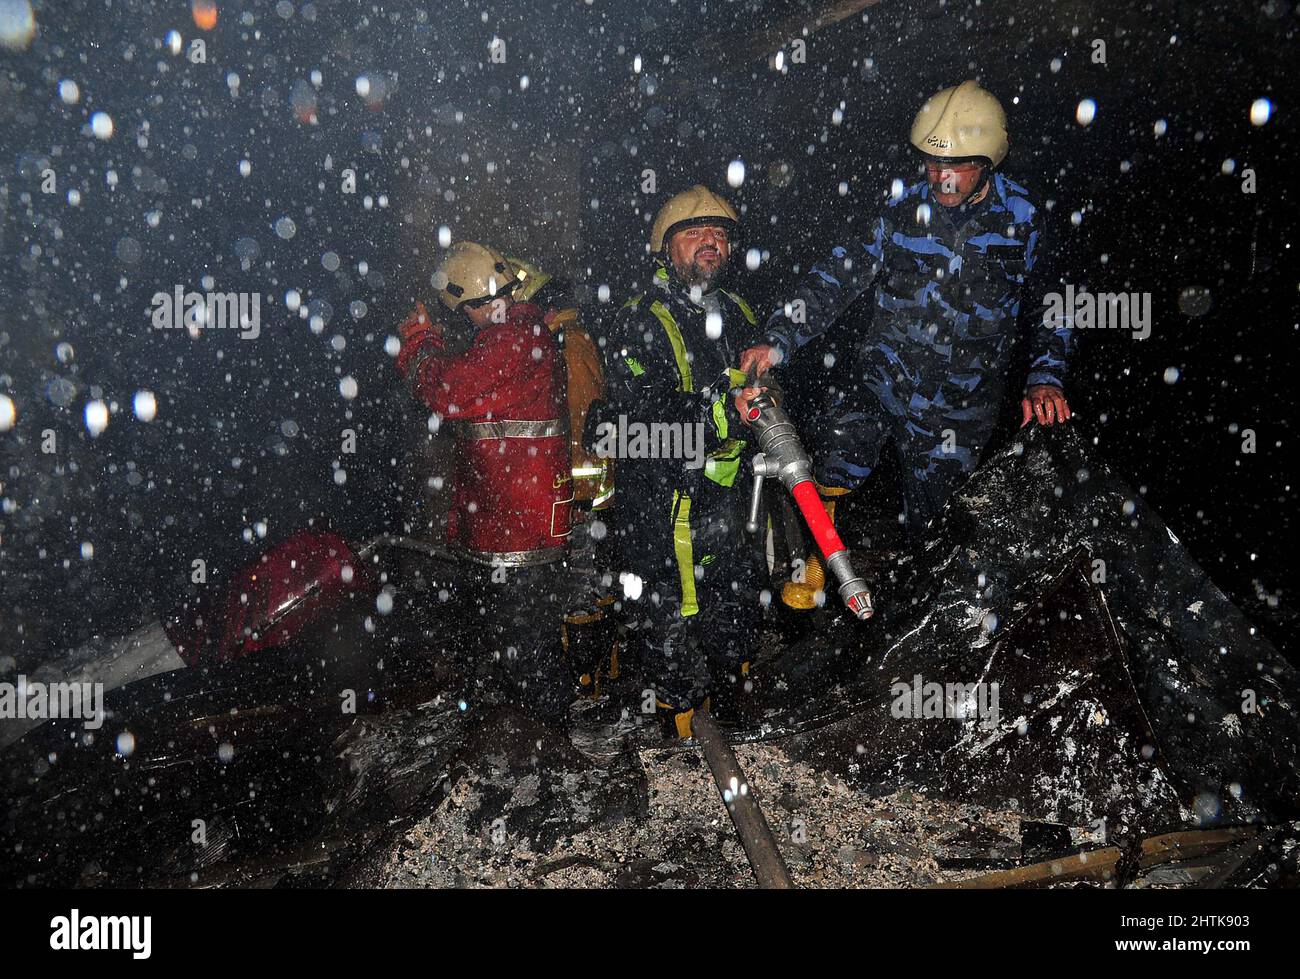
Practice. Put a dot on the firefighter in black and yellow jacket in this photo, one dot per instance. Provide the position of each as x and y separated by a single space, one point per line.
689 571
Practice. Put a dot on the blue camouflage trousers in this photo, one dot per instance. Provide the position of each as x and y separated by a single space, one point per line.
938 428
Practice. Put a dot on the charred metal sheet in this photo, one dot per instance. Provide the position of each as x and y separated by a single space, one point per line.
1050 576
1044 718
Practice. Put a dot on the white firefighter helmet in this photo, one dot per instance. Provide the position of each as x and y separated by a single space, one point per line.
963 121
696 206
470 271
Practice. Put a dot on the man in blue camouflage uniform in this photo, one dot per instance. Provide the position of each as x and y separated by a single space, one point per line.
690 570
948 260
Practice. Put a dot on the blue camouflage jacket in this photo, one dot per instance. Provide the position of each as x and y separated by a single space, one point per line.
949 285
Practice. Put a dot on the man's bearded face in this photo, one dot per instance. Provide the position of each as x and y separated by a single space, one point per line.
699 254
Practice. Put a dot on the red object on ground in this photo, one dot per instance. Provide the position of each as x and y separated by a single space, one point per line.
271 601
512 492
819 522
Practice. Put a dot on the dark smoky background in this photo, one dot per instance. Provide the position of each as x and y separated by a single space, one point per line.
554 131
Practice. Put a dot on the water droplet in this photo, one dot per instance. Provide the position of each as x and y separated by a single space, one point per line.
128 250
1085 112
1172 374
101 124
247 250
146 406
96 417
713 324
348 387
17 24
735 173
1261 110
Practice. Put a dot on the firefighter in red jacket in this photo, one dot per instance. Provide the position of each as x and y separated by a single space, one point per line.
503 397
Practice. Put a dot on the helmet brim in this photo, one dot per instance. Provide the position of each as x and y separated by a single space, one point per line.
722 222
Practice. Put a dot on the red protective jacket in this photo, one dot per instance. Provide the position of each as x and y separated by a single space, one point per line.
512 491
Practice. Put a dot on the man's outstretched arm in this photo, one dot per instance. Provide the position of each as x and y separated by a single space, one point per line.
830 288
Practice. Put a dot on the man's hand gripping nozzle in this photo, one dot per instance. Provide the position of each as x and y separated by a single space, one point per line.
782 455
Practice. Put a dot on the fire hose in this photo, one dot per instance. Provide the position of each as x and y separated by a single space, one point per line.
751 826
782 456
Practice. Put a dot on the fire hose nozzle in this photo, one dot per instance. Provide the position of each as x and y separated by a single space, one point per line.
853 590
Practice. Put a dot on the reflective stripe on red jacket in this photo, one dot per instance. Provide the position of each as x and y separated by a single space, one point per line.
511 488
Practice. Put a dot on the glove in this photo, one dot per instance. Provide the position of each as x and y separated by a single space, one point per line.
417 332
416 327
751 387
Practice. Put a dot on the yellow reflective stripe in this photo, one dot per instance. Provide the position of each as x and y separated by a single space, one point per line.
685 553
744 307
675 339
720 418
737 379
724 464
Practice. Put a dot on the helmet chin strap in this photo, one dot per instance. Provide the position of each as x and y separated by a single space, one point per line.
979 188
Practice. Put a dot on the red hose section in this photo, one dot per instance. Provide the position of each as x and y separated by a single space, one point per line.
819 522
